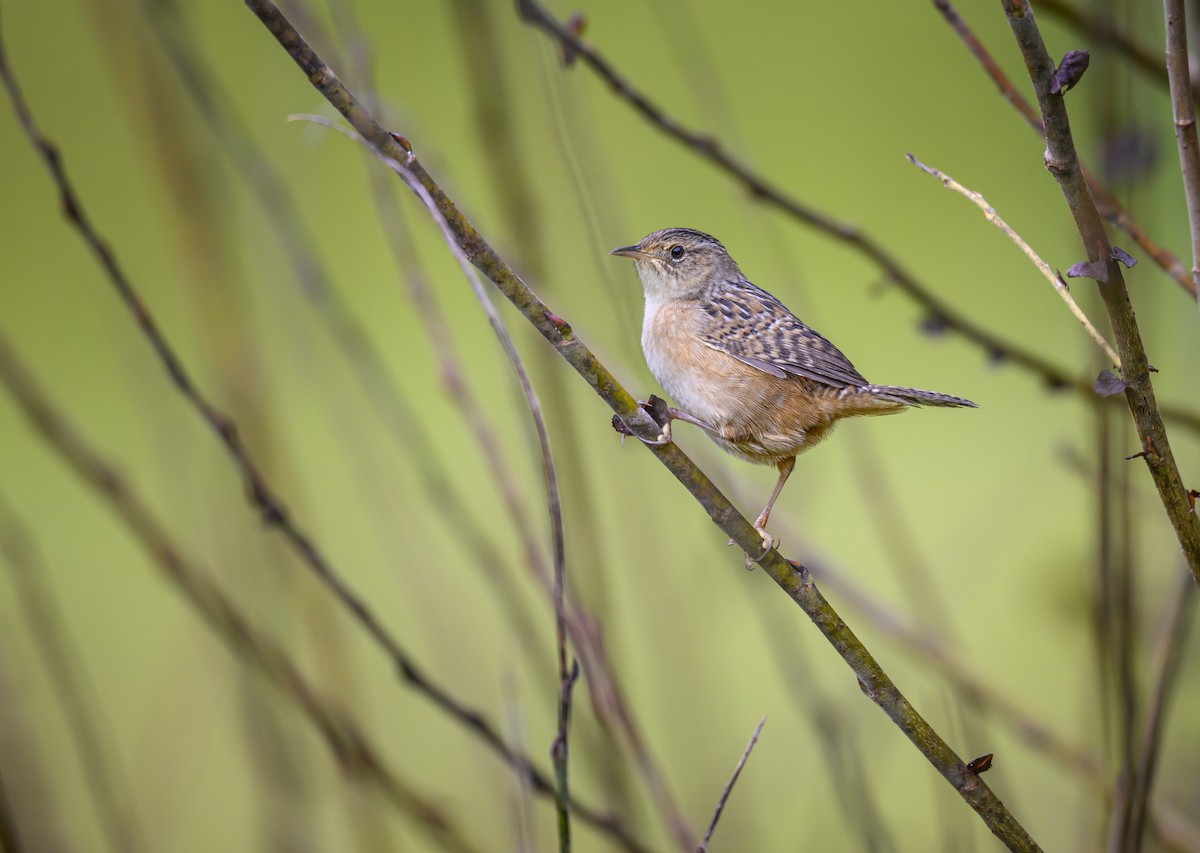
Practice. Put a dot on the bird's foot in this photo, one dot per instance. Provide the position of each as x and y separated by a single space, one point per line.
663 415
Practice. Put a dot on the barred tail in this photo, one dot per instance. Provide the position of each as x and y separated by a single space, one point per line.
915 396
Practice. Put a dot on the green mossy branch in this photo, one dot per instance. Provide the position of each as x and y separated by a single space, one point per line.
793 578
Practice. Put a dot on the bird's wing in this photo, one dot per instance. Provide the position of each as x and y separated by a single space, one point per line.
754 327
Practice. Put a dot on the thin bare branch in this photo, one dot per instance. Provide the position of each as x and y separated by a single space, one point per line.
1183 106
792 577
261 494
1063 163
355 753
728 789
989 213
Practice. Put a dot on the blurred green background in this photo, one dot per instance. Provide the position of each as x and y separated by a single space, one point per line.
979 529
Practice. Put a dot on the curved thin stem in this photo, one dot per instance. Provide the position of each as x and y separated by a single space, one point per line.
1056 281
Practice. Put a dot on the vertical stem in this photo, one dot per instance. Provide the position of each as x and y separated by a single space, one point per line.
1184 110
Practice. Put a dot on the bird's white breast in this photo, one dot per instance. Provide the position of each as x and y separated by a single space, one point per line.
674 355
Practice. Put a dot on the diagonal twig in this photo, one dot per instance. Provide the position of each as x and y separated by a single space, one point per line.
1055 280
573 618
792 577
728 789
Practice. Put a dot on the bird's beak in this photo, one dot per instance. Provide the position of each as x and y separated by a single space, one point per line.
629 252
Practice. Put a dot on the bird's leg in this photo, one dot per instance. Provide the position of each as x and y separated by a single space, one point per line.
664 415
784 467
760 524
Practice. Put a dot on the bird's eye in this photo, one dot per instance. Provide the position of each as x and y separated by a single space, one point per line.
677 252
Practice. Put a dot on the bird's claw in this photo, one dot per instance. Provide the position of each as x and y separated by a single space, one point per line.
769 542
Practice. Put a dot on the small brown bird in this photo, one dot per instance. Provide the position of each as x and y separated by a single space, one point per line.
740 365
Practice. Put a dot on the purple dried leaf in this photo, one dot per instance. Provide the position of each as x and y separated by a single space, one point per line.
1096 270
1108 384
1121 256
1074 63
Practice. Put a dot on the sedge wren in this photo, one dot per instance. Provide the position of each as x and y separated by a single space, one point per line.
740 365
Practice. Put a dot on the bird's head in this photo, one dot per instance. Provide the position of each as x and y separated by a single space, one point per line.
679 263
